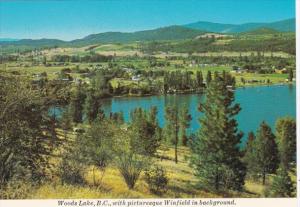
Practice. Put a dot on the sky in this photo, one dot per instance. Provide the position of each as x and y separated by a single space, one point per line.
73 19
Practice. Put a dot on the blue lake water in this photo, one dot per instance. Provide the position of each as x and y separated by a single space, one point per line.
263 103
266 103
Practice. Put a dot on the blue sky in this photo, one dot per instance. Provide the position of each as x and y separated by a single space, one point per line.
75 19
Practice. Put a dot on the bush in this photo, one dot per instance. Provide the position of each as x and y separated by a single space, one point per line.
130 166
157 180
282 185
70 172
16 189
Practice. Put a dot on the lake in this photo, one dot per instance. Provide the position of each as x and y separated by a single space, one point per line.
260 103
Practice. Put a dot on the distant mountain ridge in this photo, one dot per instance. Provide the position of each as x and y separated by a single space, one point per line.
288 25
175 32
8 39
164 33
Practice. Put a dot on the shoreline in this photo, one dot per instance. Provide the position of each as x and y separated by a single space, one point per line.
195 92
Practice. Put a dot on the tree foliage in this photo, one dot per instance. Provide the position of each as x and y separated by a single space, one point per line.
286 140
263 157
26 143
216 156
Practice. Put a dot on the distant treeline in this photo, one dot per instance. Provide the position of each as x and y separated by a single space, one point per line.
86 58
207 45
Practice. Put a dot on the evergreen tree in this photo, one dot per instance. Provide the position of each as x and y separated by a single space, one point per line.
199 79
145 130
185 119
92 106
291 75
66 121
250 156
172 127
286 140
26 144
153 119
216 157
77 101
265 149
208 78
282 185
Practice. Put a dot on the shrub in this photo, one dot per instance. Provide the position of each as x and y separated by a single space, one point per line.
157 180
70 172
130 166
282 185
16 189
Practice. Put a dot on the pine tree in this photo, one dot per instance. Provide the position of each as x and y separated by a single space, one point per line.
282 185
66 121
26 144
291 75
77 101
286 140
266 160
199 79
208 78
92 106
216 157
145 130
172 127
249 156
185 119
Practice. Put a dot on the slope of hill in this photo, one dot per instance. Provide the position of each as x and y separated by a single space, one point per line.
34 42
165 33
261 31
189 31
287 25
8 39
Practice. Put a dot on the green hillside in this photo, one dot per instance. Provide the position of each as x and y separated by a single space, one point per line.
287 25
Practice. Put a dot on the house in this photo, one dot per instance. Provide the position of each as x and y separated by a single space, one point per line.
128 70
281 71
136 78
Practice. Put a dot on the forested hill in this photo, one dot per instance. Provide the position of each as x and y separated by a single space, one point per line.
288 25
165 33
190 31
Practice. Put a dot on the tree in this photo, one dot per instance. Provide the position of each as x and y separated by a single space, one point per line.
216 156
286 140
266 158
97 146
77 101
208 78
282 185
144 124
172 126
199 79
101 83
44 60
73 164
250 156
92 106
152 118
66 121
26 144
185 119
128 157
291 75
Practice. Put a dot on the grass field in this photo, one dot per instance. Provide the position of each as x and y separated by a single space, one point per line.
182 182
